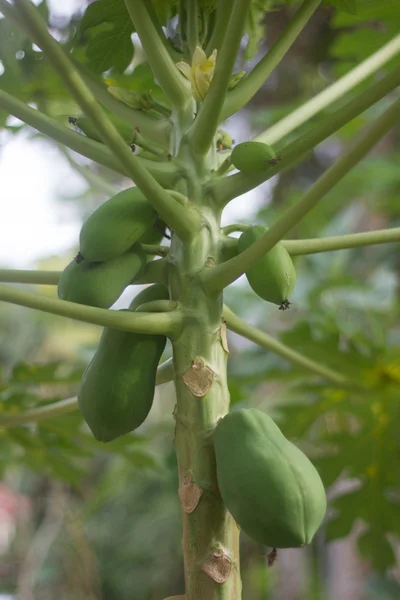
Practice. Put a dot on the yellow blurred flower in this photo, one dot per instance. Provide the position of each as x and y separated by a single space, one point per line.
201 72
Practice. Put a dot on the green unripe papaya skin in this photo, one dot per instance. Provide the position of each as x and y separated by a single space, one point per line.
125 130
154 292
251 157
117 388
269 486
154 234
116 225
100 284
273 278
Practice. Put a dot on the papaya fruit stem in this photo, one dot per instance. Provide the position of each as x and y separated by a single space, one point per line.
156 250
215 279
158 306
148 145
234 228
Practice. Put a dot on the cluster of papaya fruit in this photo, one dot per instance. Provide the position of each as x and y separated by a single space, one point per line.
117 388
111 255
270 487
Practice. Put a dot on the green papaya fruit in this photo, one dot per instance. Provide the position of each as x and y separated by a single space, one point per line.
250 157
154 234
84 124
116 225
117 389
151 293
100 283
269 486
273 278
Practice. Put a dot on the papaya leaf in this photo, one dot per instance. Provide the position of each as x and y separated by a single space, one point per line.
105 31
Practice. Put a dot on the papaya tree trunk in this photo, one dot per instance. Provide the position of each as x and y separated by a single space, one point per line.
210 535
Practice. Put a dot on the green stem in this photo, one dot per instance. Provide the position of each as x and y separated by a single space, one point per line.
249 86
156 250
225 189
222 275
192 34
149 145
29 276
234 323
157 55
224 167
183 222
155 271
203 130
224 9
154 18
332 93
165 373
326 244
166 173
164 324
234 227
158 306
341 242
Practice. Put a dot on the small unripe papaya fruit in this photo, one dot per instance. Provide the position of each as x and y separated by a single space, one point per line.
273 278
117 389
100 283
116 225
250 157
270 487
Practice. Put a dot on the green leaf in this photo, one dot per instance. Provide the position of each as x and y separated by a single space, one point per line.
106 30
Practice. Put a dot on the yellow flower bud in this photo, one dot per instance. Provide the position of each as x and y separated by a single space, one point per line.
200 73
